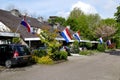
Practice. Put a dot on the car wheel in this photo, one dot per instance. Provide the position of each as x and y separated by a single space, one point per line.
8 63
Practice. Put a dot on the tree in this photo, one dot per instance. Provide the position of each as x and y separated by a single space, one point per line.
106 28
117 18
73 23
117 14
108 22
93 20
76 13
52 44
105 31
55 20
78 21
117 36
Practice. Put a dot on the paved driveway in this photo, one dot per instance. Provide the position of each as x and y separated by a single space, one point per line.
96 67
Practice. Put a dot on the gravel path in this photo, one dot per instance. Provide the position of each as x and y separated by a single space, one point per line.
96 67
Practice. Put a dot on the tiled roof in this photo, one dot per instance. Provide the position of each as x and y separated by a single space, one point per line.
12 22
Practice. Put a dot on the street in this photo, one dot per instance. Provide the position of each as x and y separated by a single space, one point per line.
102 66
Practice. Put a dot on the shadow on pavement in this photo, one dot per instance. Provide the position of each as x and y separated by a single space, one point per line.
23 65
18 67
113 52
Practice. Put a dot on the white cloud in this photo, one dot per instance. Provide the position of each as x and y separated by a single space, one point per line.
86 8
63 14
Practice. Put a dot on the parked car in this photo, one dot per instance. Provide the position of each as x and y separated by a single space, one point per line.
12 54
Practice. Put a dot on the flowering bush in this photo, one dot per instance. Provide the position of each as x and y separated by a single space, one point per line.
112 46
42 60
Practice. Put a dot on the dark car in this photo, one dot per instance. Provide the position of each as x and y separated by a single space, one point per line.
12 54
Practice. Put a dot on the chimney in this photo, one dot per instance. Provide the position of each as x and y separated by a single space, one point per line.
40 19
15 12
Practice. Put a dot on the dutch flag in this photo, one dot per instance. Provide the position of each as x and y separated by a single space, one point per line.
66 35
77 36
26 24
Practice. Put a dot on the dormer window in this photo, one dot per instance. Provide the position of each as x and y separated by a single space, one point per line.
33 29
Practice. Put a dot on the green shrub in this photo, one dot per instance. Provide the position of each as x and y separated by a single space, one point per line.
76 50
45 60
49 59
101 47
39 53
59 55
42 60
75 47
116 40
63 55
55 56
34 58
86 52
88 45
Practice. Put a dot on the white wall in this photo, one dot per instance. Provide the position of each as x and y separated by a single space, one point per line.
4 28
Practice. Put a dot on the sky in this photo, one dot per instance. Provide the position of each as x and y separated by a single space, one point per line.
46 8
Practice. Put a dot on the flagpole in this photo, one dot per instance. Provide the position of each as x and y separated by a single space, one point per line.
16 30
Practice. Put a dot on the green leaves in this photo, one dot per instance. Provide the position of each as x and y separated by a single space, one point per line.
117 14
49 39
56 20
78 21
16 40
